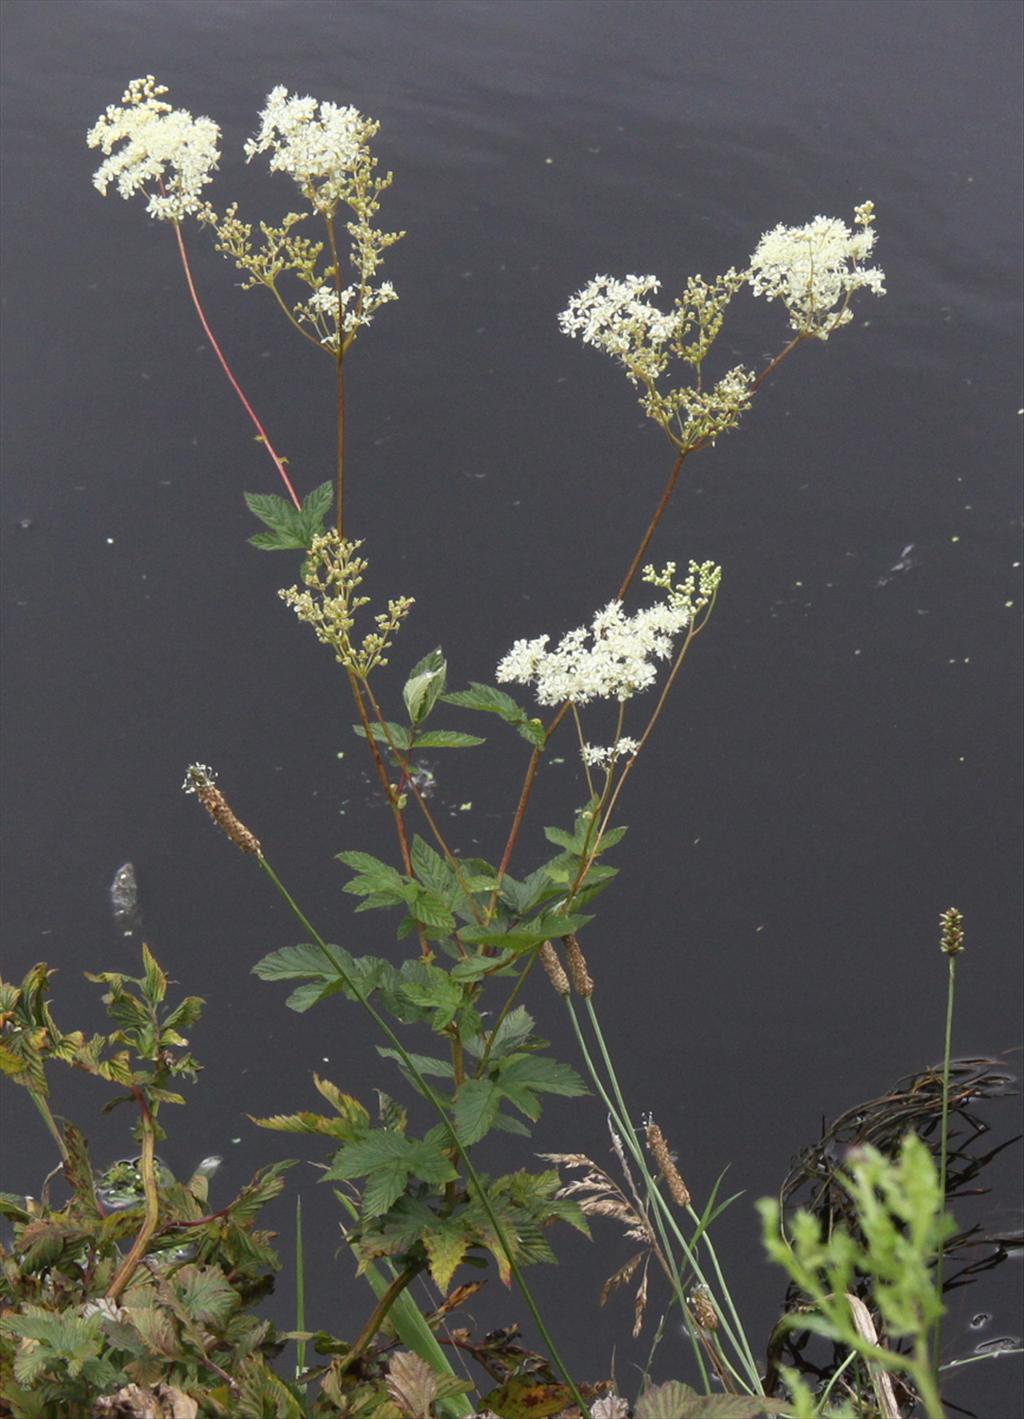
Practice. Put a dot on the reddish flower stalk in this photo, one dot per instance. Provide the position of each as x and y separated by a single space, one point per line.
260 430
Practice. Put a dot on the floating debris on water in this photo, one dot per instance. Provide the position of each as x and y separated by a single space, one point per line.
905 562
124 899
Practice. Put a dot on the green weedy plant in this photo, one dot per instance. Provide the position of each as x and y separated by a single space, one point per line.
902 1229
417 1203
170 1316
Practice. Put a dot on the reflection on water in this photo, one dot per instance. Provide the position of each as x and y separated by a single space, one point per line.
124 899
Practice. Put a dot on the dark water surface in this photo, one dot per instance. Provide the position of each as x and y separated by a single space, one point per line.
841 759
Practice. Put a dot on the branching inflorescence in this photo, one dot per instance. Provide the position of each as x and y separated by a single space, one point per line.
420 1201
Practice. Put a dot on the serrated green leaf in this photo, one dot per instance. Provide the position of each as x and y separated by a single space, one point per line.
316 505
561 838
675 1400
204 1293
513 1031
347 1107
476 1105
185 1015
425 1063
274 541
431 911
521 1078
400 736
427 987
486 698
448 739
533 732
383 1187
432 870
473 967
425 683
154 981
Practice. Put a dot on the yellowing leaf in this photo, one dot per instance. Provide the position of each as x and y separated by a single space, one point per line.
523 1399
445 1250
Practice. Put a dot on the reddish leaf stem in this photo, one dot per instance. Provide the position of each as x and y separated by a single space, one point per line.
260 430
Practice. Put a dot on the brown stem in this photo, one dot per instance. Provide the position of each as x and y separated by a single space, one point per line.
407 778
147 1167
382 773
262 436
377 1315
663 503
524 797
339 516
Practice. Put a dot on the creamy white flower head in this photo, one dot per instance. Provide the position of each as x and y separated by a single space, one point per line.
597 757
611 315
318 145
610 659
158 143
815 269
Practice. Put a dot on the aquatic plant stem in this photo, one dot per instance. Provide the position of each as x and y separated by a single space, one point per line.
944 1146
429 1094
151 1214
300 1289
378 1315
261 433
625 1131
738 1338
664 1215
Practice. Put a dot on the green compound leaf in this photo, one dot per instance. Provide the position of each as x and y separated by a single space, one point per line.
290 527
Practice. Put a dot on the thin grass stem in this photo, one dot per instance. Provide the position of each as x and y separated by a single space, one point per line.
300 1290
944 1147
737 1337
625 1131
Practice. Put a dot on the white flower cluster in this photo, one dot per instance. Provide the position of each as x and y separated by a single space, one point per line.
612 316
815 269
321 310
158 144
616 665
318 145
596 757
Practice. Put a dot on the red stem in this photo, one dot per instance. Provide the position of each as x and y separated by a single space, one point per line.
261 431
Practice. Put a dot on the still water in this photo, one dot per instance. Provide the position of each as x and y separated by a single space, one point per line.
841 759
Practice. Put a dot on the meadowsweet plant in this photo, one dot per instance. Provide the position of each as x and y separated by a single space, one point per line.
450 1009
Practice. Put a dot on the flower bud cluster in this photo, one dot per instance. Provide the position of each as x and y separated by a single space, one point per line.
332 573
